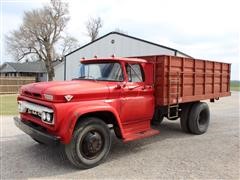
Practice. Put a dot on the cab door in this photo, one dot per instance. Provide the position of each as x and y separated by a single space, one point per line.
137 97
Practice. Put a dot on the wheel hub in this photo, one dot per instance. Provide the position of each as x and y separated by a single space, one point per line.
92 144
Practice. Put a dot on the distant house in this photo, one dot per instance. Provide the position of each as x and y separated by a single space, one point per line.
30 69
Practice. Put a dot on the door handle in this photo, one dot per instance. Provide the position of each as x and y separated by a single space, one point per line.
132 87
146 87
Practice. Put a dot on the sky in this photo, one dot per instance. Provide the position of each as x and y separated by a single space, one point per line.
204 29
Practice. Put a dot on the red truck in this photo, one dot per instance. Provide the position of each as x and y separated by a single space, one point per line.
127 95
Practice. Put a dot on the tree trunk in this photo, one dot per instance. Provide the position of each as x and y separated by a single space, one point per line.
50 72
49 65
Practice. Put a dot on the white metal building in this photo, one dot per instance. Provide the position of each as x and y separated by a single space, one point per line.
121 45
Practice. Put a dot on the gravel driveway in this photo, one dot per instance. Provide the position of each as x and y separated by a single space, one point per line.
172 154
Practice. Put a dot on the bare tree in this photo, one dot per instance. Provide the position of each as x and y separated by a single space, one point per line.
40 35
93 26
68 44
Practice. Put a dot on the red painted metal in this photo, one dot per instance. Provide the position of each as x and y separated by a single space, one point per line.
140 135
199 79
131 103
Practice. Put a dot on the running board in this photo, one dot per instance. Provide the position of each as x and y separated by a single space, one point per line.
140 135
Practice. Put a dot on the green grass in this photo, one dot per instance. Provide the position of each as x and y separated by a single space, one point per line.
8 105
235 86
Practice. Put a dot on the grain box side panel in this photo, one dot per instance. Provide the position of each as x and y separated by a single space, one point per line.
198 79
173 78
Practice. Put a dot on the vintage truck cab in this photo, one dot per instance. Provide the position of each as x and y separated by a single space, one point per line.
110 93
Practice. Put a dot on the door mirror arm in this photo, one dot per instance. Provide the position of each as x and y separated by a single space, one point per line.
120 85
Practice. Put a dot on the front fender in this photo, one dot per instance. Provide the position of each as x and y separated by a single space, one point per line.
78 110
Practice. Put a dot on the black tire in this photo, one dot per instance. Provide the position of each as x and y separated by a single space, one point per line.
157 117
185 117
199 118
90 143
39 142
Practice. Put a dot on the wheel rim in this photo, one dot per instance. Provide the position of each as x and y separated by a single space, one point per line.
92 144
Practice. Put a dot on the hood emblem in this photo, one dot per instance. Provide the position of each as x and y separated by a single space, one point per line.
68 97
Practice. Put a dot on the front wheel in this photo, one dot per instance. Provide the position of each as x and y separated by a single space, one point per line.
90 143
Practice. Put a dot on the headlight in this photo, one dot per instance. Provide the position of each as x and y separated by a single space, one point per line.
48 97
47 118
43 116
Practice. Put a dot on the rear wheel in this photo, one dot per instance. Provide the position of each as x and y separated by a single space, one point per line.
199 118
185 117
90 143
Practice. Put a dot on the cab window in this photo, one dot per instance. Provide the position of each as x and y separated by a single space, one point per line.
135 73
102 71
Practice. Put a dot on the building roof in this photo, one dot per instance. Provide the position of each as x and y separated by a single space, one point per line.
125 35
31 67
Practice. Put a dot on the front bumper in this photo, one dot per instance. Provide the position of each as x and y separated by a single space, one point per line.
36 133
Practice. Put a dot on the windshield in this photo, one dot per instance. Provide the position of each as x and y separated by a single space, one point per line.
109 71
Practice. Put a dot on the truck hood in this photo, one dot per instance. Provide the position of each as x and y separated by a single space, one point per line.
78 89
